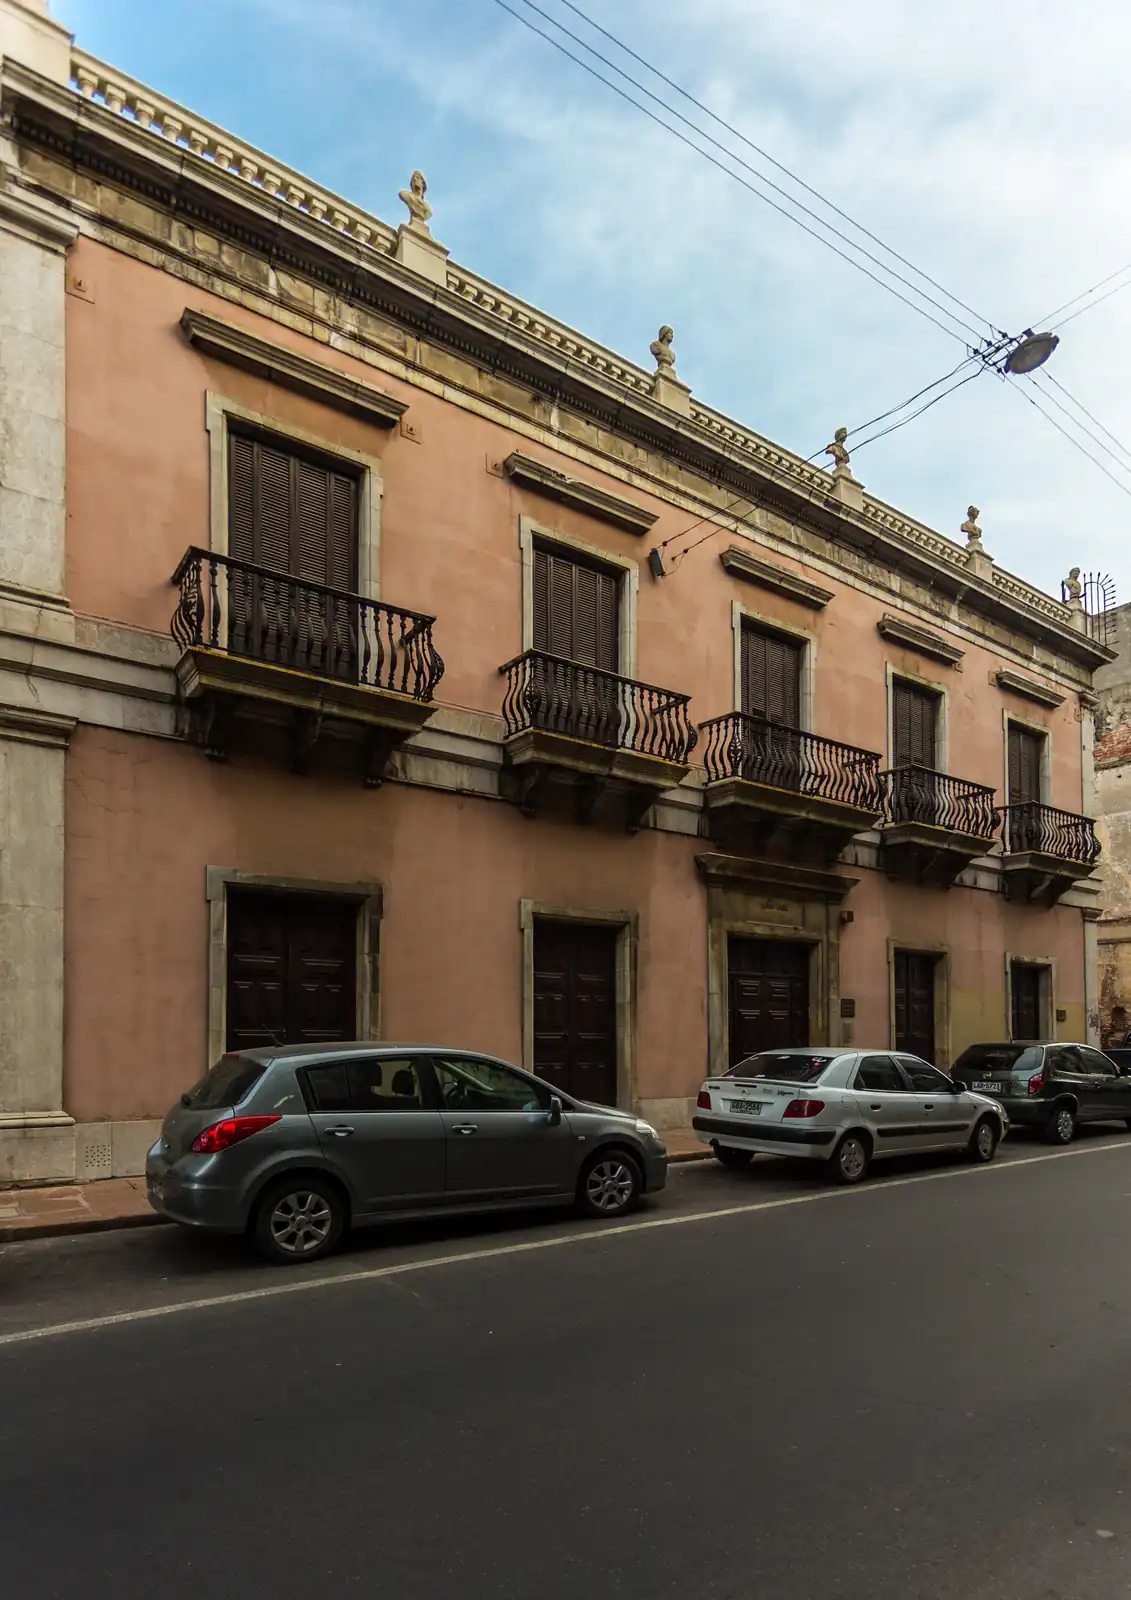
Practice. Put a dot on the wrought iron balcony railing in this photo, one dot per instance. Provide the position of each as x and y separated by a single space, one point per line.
919 794
1039 829
742 746
262 615
552 695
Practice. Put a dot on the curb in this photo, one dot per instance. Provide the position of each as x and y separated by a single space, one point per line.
10 1234
690 1155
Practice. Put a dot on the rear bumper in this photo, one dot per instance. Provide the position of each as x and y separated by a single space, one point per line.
816 1144
1026 1113
193 1201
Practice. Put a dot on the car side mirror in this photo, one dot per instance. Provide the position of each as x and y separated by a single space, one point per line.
555 1111
956 1087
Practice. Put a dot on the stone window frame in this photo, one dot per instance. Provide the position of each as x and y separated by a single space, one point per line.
531 532
1048 992
740 613
370 908
892 673
1030 725
627 924
219 413
944 1042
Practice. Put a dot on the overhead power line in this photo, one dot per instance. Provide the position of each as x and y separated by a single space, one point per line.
1046 319
884 283
1117 442
1026 393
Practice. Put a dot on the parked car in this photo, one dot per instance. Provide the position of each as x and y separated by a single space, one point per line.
844 1107
1051 1087
294 1144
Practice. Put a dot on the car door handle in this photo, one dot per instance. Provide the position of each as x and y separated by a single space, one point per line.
876 1107
340 1133
465 1127
928 1105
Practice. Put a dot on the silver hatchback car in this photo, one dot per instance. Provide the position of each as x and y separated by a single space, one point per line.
293 1144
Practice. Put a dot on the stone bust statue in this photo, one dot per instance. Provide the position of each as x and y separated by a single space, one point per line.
838 450
661 348
419 210
971 529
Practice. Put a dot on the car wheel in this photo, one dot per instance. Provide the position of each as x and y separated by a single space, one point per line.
1061 1126
851 1159
984 1140
728 1156
609 1185
298 1219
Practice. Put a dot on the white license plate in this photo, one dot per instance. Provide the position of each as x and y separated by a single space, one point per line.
987 1088
746 1108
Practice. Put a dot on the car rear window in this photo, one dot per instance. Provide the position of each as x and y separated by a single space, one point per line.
226 1084
991 1058
782 1067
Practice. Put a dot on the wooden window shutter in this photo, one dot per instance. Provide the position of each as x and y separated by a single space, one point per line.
291 514
241 498
771 677
272 508
1025 752
575 611
914 726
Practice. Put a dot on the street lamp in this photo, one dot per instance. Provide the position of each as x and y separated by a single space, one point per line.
1033 351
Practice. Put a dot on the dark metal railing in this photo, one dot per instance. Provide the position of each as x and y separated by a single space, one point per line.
1032 826
248 610
919 794
742 746
554 695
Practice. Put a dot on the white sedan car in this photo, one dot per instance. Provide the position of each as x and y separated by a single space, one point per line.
844 1107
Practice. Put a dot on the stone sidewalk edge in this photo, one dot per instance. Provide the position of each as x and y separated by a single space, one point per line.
12 1233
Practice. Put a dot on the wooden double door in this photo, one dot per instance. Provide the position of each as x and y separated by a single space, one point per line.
292 969
768 995
575 1008
914 985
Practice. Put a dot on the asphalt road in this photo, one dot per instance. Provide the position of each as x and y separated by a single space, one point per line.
759 1387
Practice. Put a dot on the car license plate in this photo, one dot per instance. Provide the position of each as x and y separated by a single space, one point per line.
155 1188
746 1108
987 1088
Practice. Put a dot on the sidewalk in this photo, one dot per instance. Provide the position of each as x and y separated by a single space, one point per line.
121 1202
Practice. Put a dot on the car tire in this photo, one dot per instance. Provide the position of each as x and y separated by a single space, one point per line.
298 1219
851 1159
609 1185
984 1140
1061 1126
727 1156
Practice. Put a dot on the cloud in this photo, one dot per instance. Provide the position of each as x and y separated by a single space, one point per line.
986 142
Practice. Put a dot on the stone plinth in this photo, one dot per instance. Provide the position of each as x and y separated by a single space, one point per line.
421 254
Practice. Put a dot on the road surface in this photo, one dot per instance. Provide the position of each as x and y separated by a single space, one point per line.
757 1387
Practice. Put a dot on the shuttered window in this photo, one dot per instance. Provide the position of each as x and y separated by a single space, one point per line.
915 726
1026 750
576 610
771 676
291 513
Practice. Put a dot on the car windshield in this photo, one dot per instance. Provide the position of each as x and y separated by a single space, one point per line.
226 1084
783 1066
990 1058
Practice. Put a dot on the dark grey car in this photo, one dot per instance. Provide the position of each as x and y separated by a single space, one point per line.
291 1145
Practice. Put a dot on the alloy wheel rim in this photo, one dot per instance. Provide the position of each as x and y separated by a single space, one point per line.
985 1140
609 1185
1064 1124
852 1158
300 1222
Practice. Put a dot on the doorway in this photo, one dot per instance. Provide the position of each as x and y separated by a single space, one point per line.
1026 1000
575 1008
914 982
292 969
767 995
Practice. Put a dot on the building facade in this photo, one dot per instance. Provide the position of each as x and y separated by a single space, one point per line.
353 681
1113 806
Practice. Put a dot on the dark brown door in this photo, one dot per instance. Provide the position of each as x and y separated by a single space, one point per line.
768 980
1025 751
1025 984
299 518
292 969
915 1004
576 618
575 1008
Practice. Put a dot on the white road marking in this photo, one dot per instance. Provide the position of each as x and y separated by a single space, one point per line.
372 1274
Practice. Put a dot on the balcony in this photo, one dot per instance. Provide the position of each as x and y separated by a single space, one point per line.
934 825
609 741
773 790
268 657
1046 851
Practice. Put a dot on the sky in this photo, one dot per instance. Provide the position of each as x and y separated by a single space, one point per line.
987 141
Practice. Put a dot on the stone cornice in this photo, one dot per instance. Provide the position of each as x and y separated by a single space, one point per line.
35 727
777 878
750 568
239 348
27 215
921 640
575 492
145 145
1039 693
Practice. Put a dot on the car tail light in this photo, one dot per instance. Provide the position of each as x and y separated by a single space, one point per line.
804 1108
704 1100
223 1135
1036 1083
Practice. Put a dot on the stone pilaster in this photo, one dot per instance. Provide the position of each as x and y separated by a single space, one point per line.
31 36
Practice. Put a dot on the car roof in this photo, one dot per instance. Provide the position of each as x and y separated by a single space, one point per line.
353 1047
